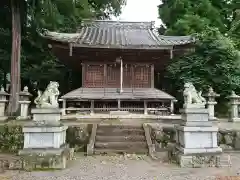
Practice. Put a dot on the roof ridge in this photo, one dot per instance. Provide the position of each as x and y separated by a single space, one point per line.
120 24
121 21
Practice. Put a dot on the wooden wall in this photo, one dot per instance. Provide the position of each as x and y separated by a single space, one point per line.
108 75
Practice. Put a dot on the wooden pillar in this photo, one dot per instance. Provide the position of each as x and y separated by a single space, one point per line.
119 104
83 74
171 53
152 76
64 107
133 76
172 107
145 108
121 76
105 75
92 108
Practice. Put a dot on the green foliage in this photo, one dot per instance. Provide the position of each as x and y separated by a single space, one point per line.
11 139
215 63
78 137
37 62
177 13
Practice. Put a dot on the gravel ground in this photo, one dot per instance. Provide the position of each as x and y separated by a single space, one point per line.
125 168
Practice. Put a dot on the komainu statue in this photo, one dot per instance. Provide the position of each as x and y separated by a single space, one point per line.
191 96
49 98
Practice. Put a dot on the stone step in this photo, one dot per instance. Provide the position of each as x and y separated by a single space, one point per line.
121 145
225 160
120 138
117 151
120 126
119 132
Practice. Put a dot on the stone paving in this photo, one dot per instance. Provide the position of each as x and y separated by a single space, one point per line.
130 167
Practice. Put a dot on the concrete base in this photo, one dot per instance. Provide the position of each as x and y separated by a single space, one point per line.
52 158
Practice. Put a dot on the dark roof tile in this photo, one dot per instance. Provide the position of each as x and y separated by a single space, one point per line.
115 34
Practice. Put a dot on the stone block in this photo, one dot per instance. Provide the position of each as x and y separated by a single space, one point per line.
195 114
237 141
197 139
46 114
46 158
197 123
44 136
198 161
119 113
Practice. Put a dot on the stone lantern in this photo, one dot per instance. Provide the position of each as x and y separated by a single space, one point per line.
24 103
234 102
211 95
3 103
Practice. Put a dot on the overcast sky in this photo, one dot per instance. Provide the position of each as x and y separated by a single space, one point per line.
141 10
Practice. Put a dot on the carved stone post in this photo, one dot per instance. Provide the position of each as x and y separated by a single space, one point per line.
3 102
24 104
234 102
211 103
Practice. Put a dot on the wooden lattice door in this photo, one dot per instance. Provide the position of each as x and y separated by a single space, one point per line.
94 76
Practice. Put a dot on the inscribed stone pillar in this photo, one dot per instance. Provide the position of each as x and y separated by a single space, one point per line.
234 102
3 102
24 104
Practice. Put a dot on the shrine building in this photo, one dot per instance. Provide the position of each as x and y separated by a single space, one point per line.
118 61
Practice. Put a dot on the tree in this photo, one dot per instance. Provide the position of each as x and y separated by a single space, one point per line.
28 17
188 13
15 56
214 63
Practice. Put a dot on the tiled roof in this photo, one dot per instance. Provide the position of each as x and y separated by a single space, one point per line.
112 93
115 34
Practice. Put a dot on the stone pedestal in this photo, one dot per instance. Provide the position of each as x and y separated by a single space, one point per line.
3 104
45 139
234 102
196 139
46 115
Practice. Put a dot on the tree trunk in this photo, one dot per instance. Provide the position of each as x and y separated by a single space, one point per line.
15 59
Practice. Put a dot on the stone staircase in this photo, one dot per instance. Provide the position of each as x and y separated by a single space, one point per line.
111 139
